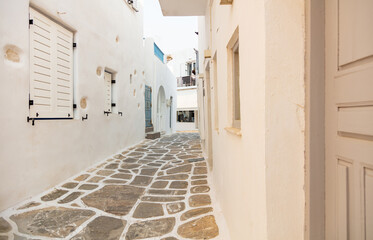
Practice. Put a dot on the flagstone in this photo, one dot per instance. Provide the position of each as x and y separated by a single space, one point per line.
147 210
199 200
53 195
202 228
114 199
194 213
173 208
53 222
102 228
4 226
150 229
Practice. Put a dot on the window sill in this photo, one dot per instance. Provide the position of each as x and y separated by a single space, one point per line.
235 131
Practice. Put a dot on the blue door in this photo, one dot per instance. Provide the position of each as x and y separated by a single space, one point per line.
148 106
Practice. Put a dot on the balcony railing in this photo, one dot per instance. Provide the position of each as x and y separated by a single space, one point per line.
187 81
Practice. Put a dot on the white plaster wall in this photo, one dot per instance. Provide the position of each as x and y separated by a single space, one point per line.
285 118
35 158
187 98
238 162
185 126
158 74
259 176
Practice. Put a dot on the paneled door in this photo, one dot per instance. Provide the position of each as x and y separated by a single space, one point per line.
148 106
349 119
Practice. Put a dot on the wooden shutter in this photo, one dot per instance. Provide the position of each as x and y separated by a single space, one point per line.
51 68
107 82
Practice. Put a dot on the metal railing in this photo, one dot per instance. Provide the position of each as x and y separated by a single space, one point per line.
187 81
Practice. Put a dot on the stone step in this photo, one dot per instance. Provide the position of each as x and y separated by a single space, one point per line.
153 135
149 129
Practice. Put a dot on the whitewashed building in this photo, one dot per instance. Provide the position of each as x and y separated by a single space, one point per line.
160 84
73 91
285 101
185 68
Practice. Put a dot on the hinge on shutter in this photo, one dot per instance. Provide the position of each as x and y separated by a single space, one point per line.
31 21
74 44
74 105
85 118
30 102
32 120
113 104
113 81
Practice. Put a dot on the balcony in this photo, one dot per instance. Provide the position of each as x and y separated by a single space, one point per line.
187 81
183 7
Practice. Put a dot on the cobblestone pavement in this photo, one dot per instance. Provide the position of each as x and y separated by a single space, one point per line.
155 190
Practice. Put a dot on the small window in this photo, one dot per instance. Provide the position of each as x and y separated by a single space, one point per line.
185 116
234 79
236 86
51 68
109 84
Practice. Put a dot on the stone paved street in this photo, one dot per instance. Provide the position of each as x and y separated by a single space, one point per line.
155 190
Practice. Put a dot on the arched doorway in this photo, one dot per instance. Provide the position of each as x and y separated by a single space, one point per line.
161 110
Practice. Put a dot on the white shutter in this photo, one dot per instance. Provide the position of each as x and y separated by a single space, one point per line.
107 82
51 68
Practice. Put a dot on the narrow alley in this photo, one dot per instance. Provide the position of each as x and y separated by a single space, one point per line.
157 189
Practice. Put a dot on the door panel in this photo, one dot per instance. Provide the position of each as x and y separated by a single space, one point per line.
349 119
355 36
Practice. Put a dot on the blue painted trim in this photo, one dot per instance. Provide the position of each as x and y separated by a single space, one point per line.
158 52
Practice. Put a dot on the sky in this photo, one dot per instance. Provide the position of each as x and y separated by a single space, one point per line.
171 34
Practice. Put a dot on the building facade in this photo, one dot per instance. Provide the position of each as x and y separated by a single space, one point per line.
284 111
73 75
185 68
161 83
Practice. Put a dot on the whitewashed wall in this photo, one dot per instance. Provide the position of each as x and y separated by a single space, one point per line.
108 35
258 173
158 74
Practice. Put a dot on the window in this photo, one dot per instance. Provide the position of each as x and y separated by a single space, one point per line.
109 84
51 68
190 68
234 79
236 87
185 116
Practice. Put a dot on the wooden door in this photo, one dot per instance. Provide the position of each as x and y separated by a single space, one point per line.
349 119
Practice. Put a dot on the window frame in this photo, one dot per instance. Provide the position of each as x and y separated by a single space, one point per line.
234 95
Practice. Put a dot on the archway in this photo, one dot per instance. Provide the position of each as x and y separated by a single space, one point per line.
161 110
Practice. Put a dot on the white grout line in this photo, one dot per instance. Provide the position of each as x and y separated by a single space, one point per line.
149 144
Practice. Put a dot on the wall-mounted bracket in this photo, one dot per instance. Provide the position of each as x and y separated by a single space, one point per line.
107 113
120 113
32 120
85 118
